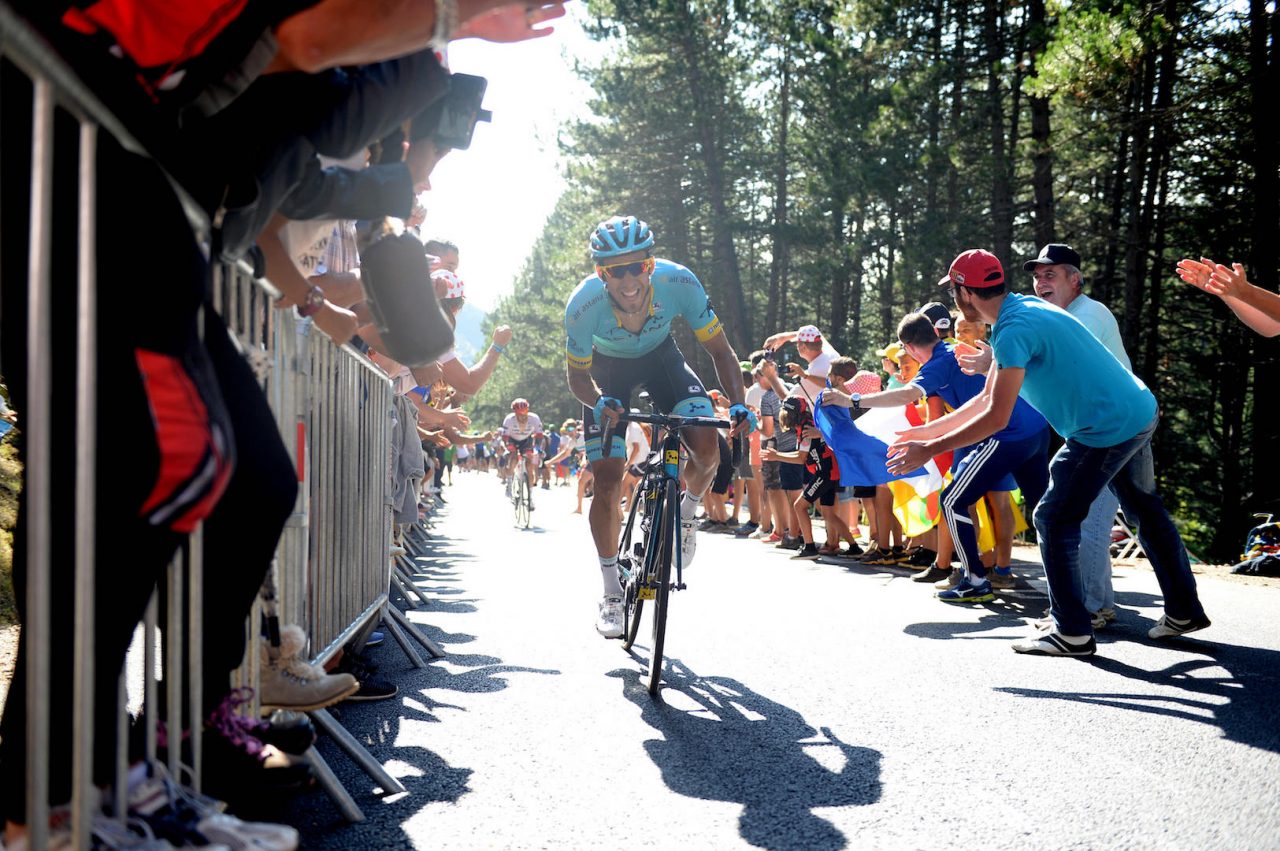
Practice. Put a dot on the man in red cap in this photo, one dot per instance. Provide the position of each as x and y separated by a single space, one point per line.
1107 416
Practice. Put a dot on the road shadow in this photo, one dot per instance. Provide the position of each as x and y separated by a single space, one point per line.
1242 703
733 744
391 732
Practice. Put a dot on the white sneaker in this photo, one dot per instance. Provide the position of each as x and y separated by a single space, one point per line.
688 541
609 621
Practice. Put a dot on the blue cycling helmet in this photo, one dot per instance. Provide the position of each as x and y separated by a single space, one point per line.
620 235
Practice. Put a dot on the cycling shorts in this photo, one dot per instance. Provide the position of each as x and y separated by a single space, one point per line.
672 384
521 447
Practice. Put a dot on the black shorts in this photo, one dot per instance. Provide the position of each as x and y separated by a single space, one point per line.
791 476
864 491
521 447
672 384
819 487
724 472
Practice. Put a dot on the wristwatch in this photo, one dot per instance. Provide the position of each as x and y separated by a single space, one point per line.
856 397
312 303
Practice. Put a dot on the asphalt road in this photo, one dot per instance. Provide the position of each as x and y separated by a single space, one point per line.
806 706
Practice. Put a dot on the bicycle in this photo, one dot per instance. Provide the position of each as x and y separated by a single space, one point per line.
644 565
521 499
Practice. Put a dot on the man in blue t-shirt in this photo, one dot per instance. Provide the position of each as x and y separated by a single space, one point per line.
1107 416
1014 456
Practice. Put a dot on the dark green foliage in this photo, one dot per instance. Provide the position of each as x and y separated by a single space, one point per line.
824 161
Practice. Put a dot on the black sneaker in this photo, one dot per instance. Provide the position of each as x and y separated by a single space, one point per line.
852 552
808 551
790 544
921 557
375 688
709 525
932 573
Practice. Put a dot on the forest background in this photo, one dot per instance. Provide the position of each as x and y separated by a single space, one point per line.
823 162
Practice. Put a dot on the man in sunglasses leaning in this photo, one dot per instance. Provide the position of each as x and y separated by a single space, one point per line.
618 329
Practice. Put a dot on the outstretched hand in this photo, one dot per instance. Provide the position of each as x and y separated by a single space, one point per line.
975 364
512 23
907 456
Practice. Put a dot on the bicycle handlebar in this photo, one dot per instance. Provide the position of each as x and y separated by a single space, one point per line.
673 421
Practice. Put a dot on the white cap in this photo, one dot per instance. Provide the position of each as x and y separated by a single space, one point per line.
453 284
808 334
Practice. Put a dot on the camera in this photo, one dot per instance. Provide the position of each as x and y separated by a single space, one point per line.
451 120
770 355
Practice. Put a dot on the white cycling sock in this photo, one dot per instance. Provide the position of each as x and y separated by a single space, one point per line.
609 573
689 506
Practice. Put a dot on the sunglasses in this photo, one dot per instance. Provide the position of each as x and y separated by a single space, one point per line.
622 270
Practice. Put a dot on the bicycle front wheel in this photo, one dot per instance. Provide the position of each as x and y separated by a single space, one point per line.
666 542
522 503
632 596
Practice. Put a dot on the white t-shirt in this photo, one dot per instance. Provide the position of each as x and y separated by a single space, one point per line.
514 429
754 396
635 435
819 367
1101 322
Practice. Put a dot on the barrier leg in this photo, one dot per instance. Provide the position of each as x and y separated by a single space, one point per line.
353 749
412 629
398 583
329 783
402 640
407 579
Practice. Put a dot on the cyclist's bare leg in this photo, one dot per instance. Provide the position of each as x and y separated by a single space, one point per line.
606 521
704 458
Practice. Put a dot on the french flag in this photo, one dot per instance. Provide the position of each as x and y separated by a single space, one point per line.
862 447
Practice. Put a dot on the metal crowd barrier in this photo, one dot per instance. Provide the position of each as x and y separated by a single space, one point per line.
333 568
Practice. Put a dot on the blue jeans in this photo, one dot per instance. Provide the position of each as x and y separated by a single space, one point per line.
1095 552
1077 474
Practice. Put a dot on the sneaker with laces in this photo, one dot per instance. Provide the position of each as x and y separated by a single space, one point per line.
954 578
175 813
790 543
1054 643
1002 580
609 619
761 533
372 687
773 538
969 590
746 530
932 573
688 542
921 556
879 556
808 551
709 525
1168 627
901 556
290 682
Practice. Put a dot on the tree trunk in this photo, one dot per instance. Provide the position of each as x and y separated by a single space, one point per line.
957 114
1158 184
707 102
1264 260
1105 285
837 328
855 275
1136 240
780 241
1001 191
1041 152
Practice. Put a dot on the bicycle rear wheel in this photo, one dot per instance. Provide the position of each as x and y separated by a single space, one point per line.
664 544
632 602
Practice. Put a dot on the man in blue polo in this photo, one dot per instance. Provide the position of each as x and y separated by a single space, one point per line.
1014 456
1107 416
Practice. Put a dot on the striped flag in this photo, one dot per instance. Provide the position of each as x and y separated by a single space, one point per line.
862 446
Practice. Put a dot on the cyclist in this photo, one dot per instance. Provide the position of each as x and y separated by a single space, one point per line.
519 431
617 324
